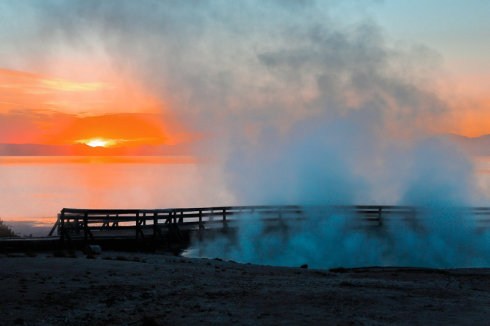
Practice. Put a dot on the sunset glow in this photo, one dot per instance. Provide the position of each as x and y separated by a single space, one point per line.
98 142
112 111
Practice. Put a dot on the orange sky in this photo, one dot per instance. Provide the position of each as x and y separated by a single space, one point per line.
115 111
470 101
36 109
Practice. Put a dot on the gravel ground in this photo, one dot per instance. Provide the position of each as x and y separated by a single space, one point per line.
145 289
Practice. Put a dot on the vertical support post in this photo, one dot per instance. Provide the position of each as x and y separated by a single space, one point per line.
200 219
62 226
225 224
85 226
155 225
77 226
201 226
137 225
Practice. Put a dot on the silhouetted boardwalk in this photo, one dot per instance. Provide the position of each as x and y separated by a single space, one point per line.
174 224
157 223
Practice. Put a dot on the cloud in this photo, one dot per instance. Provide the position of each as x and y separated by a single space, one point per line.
272 61
54 128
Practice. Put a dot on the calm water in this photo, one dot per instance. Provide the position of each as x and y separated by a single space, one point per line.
34 189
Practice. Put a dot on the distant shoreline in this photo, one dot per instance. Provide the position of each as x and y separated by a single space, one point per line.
67 159
27 227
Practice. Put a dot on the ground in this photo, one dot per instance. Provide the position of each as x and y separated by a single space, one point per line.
144 289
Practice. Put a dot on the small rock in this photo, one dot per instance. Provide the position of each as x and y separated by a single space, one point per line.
305 266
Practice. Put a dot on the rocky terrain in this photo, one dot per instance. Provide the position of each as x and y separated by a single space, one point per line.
113 288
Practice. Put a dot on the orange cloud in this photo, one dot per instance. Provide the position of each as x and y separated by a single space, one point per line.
66 86
36 109
472 119
125 128
114 94
22 90
469 100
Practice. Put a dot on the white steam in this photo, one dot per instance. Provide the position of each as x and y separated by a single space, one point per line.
443 239
323 168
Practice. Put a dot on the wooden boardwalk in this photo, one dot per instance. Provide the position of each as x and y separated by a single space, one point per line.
90 224
175 224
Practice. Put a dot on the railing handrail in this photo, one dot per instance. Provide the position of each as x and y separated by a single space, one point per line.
96 219
180 209
254 207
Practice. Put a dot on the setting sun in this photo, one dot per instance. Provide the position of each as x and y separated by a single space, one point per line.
98 142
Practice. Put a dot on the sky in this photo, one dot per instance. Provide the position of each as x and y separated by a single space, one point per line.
458 32
121 74
455 29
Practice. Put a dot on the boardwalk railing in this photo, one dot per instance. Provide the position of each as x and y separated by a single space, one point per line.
88 224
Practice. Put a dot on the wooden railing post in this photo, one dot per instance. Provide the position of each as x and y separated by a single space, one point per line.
155 225
85 226
225 224
201 226
62 226
138 225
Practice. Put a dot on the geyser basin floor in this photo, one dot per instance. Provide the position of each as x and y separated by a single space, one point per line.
134 289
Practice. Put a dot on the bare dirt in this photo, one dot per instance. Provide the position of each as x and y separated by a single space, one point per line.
144 289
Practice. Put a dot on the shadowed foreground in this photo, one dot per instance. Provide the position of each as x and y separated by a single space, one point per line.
145 289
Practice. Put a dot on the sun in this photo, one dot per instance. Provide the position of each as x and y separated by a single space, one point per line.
98 142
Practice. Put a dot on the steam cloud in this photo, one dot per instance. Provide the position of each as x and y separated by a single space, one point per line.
297 104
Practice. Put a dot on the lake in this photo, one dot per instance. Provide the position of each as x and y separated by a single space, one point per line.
34 189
